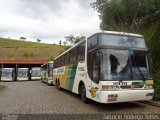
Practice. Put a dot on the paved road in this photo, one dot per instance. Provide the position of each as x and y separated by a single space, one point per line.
34 97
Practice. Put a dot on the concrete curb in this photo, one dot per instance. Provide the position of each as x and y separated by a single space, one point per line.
154 103
2 87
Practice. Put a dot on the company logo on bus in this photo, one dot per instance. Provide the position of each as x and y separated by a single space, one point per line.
60 70
119 83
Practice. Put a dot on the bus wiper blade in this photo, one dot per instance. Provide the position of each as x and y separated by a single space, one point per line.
123 73
141 73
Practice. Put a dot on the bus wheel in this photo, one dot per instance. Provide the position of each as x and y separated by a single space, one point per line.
58 85
83 93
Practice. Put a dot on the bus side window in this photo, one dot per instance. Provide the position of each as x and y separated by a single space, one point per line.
58 62
74 53
83 50
70 56
92 42
67 58
62 61
55 63
78 52
94 66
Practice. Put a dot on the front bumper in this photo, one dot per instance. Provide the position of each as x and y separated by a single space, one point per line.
126 96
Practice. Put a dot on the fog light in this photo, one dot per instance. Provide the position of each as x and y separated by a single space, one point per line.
149 94
149 86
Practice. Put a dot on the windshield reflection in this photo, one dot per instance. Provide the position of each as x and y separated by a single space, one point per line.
6 73
123 41
23 73
36 73
124 65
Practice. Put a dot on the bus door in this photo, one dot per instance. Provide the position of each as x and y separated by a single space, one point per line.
94 65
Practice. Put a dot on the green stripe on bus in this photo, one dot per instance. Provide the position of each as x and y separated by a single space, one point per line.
138 83
71 76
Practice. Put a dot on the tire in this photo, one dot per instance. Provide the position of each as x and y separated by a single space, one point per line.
83 93
58 85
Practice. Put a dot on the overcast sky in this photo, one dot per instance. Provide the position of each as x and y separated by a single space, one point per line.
48 20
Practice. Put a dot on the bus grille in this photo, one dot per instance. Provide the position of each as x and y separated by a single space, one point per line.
131 86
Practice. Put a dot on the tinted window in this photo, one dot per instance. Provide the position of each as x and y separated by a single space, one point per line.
92 42
94 63
62 61
123 41
66 58
74 55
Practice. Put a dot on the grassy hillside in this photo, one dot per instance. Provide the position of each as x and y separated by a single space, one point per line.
16 50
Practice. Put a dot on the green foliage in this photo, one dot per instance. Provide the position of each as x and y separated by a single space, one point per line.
137 16
60 52
127 15
50 58
16 50
67 47
25 54
60 43
9 43
156 78
73 40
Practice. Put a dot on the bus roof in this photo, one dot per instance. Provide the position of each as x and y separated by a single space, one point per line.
118 33
23 68
8 68
103 32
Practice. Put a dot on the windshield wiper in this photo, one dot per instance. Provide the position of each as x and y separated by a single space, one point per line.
123 73
141 73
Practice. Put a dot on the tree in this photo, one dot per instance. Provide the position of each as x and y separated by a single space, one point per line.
22 38
73 40
64 43
38 40
60 43
127 15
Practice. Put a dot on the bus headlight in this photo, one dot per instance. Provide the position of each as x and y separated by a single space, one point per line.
109 87
148 86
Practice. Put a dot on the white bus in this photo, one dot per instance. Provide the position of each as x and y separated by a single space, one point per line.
47 73
7 74
108 67
35 73
23 74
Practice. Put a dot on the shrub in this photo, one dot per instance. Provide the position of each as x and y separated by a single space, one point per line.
156 78
50 58
25 54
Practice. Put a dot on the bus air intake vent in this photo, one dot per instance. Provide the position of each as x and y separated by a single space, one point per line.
131 86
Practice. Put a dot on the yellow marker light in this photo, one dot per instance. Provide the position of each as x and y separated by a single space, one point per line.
149 82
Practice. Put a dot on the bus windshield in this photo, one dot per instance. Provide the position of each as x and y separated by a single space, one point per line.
35 72
23 73
6 73
124 65
122 41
